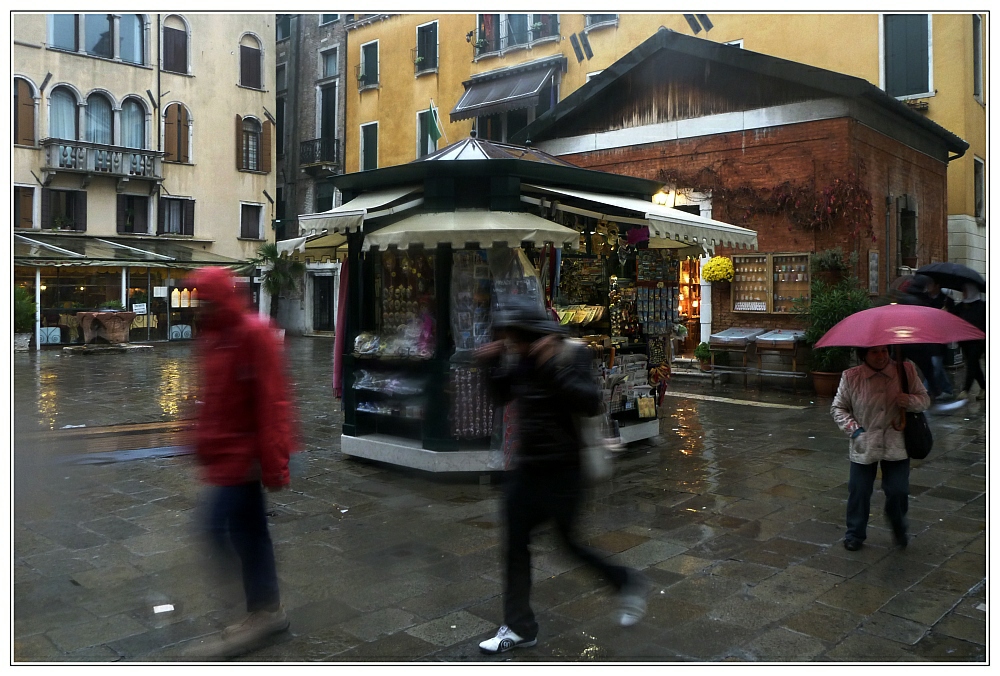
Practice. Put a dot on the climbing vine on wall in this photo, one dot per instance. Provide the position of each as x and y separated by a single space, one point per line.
844 202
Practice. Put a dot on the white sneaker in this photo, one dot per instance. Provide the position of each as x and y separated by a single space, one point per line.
633 599
505 640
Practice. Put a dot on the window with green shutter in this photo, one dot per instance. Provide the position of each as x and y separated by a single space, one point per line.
907 54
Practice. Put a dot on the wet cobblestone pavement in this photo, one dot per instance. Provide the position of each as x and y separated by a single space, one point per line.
735 513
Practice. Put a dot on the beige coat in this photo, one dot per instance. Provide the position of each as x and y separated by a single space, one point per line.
867 398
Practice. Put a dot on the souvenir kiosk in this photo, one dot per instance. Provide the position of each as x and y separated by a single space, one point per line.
433 248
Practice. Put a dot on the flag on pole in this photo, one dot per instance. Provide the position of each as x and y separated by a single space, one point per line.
434 127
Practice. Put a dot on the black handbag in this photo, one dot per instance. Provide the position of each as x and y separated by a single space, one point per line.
916 431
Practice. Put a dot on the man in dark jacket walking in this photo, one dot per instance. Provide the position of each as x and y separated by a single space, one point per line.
550 391
243 440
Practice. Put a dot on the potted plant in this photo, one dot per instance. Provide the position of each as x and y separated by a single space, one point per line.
829 303
280 273
704 356
718 269
24 319
831 265
111 306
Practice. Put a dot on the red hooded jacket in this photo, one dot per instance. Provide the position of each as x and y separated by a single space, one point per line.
245 427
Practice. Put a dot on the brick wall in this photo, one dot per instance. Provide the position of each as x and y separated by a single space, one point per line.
819 152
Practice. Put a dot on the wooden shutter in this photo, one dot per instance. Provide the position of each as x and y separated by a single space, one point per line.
25 112
250 67
25 197
122 213
45 217
140 219
184 132
187 227
80 210
265 146
171 128
161 216
239 141
174 50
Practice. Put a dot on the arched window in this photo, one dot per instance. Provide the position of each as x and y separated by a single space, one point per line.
97 34
24 113
251 144
175 45
133 124
62 114
130 41
176 134
99 120
250 62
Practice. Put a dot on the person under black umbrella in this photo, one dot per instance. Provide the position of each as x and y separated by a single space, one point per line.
973 310
916 293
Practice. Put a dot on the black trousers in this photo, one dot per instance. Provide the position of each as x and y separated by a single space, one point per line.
532 498
971 353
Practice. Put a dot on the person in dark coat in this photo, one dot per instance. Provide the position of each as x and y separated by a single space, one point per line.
973 310
937 299
922 354
243 438
550 391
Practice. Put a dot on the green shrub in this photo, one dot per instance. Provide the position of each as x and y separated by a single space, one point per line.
24 311
702 353
829 304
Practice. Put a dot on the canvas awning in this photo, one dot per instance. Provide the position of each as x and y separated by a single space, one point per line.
349 216
483 228
60 250
319 240
499 91
663 222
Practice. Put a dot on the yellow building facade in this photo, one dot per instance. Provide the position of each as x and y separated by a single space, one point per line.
936 63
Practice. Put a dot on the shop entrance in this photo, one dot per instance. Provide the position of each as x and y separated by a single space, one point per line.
324 294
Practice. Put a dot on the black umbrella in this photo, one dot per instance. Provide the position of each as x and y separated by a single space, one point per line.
953 275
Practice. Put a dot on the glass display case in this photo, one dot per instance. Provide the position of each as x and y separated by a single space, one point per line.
770 283
751 287
790 278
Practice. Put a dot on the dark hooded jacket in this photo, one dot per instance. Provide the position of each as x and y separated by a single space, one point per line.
548 398
245 427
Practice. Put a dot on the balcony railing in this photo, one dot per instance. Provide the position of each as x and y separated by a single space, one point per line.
319 151
101 160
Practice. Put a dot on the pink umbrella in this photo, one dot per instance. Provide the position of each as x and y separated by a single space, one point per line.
899 325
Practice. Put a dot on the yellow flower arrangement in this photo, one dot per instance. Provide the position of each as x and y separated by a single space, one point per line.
718 269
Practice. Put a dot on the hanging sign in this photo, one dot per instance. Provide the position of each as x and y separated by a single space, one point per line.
139 308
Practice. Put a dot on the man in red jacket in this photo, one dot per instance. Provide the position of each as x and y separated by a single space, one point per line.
243 440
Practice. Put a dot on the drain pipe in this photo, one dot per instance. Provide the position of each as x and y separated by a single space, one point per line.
38 309
888 226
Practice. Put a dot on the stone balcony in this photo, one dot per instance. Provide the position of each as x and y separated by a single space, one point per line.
94 159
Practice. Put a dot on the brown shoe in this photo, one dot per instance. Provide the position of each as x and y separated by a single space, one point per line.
242 637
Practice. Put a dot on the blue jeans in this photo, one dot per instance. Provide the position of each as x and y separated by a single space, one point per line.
895 485
236 517
940 376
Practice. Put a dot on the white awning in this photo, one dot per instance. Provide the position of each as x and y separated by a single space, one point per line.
349 217
663 222
483 228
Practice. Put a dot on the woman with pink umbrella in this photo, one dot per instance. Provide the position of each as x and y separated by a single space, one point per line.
866 408
871 400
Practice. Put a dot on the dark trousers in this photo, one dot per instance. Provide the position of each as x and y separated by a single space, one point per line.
971 353
532 498
895 485
236 517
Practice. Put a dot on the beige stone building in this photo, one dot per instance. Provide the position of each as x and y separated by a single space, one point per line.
143 147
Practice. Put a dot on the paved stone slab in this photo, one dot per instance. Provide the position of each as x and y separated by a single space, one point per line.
782 645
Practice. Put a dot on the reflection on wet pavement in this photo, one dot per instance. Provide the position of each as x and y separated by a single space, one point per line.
735 513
